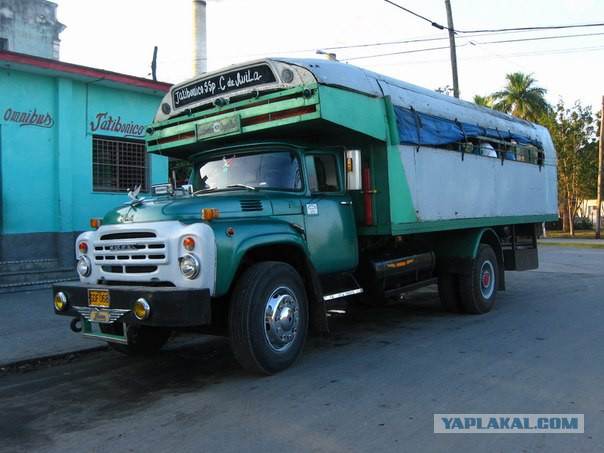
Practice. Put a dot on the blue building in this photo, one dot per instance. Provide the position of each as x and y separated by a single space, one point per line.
71 145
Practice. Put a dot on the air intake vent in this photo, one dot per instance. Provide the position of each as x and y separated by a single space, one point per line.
251 205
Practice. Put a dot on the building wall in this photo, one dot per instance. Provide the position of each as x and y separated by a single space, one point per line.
47 123
30 27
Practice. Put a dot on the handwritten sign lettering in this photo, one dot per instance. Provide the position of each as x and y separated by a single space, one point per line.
108 123
222 84
29 118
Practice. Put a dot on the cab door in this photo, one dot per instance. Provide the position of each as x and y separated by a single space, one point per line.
331 234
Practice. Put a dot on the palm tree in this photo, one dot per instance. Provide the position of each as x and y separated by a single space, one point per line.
485 101
521 97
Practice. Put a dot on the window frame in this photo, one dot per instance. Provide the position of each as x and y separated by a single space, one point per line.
126 164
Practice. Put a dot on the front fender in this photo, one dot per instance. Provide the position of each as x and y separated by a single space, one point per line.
234 239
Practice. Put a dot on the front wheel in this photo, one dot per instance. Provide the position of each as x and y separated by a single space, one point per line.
268 318
478 289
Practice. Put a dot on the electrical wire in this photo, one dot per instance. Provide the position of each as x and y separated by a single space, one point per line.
498 30
474 43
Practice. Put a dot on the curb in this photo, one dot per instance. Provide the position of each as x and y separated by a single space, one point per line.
33 364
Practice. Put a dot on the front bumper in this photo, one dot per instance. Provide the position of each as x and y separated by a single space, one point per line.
169 306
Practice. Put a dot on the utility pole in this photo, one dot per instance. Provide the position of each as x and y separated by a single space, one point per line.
600 170
452 46
154 64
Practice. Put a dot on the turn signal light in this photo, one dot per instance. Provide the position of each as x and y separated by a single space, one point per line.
209 214
96 223
83 248
188 243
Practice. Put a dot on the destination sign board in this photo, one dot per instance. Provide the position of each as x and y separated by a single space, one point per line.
222 84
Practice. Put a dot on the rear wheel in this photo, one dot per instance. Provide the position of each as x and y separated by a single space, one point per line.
448 291
141 339
268 318
478 289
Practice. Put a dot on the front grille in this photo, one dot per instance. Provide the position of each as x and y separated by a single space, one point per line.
130 252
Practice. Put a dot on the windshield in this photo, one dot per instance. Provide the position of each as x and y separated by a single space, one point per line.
260 170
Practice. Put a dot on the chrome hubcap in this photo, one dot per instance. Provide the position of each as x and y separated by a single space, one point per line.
487 280
281 318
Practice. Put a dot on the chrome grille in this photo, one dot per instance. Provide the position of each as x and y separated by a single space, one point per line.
130 252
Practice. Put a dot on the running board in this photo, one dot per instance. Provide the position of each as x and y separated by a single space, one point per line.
343 294
337 286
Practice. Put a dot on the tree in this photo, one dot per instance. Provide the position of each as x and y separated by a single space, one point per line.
485 101
573 132
447 89
522 98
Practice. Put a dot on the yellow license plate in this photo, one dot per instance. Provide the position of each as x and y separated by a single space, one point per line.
98 298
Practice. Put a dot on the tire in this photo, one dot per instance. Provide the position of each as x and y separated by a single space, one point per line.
478 289
141 339
268 318
448 291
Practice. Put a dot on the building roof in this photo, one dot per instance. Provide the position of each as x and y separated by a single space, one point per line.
37 65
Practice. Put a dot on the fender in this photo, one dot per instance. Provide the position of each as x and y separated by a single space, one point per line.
456 250
235 238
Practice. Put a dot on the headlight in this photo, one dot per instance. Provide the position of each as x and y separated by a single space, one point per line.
190 266
84 266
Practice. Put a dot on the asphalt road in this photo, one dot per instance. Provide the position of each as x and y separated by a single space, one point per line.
373 385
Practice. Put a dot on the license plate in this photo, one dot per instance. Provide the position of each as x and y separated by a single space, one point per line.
98 298
100 316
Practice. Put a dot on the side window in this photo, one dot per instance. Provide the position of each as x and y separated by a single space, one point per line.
324 178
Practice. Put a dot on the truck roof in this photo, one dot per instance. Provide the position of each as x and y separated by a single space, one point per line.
405 96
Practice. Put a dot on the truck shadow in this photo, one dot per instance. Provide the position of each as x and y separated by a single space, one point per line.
115 386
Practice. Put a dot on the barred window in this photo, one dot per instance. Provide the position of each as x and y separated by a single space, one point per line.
118 164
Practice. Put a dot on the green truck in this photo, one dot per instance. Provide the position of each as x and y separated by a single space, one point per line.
311 181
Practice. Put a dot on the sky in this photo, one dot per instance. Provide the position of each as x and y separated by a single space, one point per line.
119 35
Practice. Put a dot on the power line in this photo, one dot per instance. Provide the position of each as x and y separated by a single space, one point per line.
474 43
434 24
498 30
401 52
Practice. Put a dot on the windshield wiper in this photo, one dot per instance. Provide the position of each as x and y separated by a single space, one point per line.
242 186
207 189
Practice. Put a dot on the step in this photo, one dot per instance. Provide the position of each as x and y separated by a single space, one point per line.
28 265
35 274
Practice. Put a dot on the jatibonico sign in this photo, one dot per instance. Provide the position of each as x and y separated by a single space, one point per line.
222 84
29 118
104 122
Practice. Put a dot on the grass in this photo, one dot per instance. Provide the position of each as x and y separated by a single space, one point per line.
579 234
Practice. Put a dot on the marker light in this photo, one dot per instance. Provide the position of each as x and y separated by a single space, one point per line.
96 223
83 247
209 214
188 243
287 75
